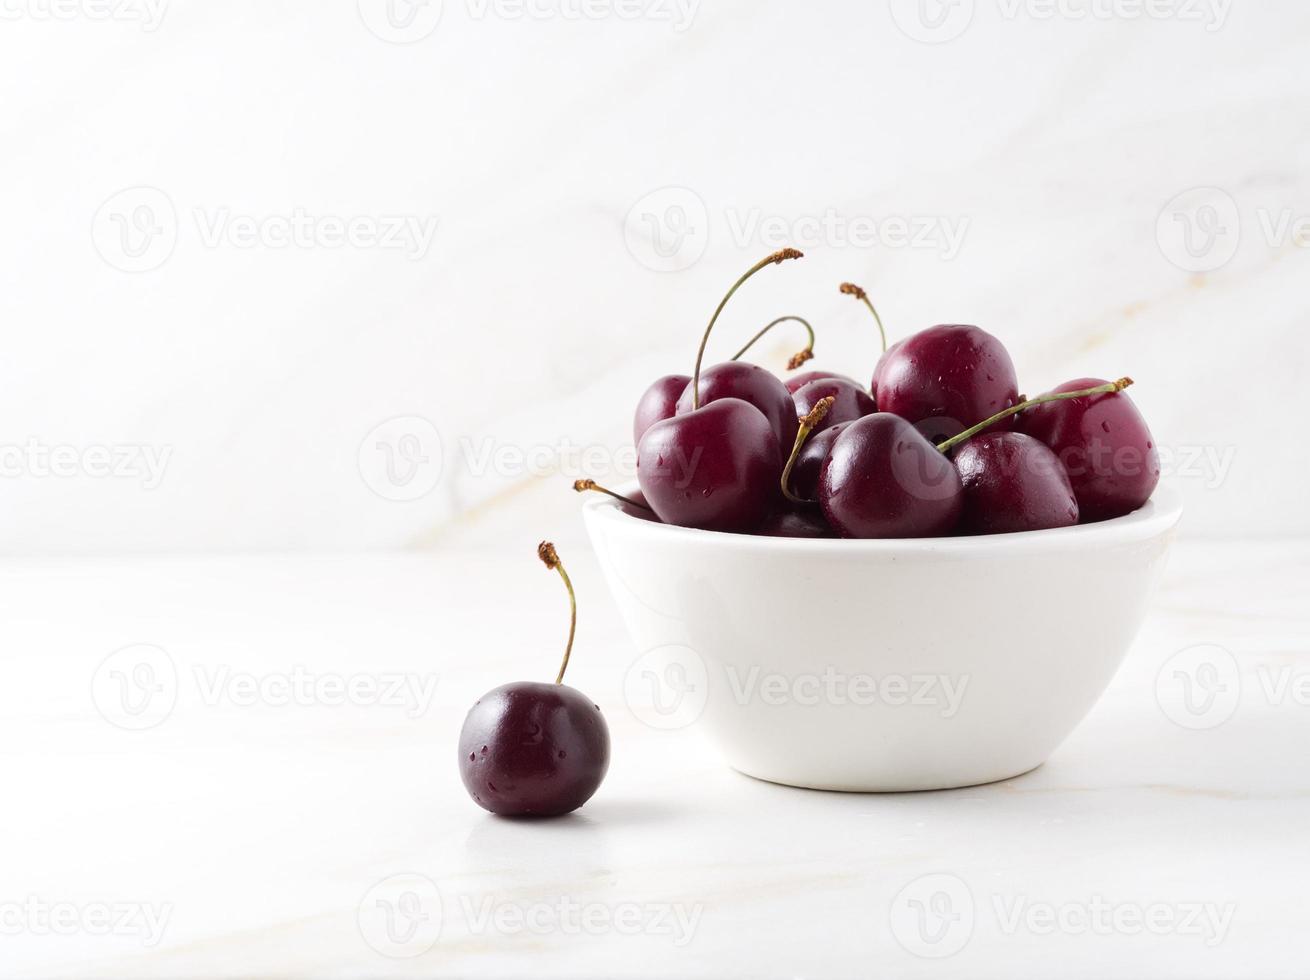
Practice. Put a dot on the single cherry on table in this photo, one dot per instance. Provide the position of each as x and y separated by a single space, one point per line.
531 749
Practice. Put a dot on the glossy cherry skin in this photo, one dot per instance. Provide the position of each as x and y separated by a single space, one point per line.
798 522
754 385
798 381
533 749
878 368
658 402
1105 447
947 377
717 468
809 461
883 479
1012 482
850 402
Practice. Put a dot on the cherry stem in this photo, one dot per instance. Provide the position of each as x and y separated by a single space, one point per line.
1105 389
850 289
546 552
798 358
816 415
775 259
582 486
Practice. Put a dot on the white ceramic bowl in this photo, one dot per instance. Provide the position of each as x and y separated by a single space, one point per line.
882 665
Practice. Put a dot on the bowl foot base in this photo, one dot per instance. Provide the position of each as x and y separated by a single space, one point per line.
890 785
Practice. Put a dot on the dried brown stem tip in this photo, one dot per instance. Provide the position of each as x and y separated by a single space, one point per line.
850 289
582 486
546 552
818 412
1123 383
787 253
799 358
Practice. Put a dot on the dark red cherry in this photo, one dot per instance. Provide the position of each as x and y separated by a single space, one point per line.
1105 446
717 464
535 749
948 377
880 366
658 402
795 522
799 381
716 468
883 479
1012 482
755 386
850 402
805 471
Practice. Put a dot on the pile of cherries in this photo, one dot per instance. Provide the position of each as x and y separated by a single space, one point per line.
941 442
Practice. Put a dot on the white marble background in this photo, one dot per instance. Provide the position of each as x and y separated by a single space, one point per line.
158 321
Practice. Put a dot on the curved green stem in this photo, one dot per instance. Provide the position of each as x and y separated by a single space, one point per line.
798 358
817 414
582 486
1105 389
850 289
546 552
774 259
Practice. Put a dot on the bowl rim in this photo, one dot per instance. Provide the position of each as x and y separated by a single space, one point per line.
1159 514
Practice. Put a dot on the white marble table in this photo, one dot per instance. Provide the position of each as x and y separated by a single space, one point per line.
259 834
